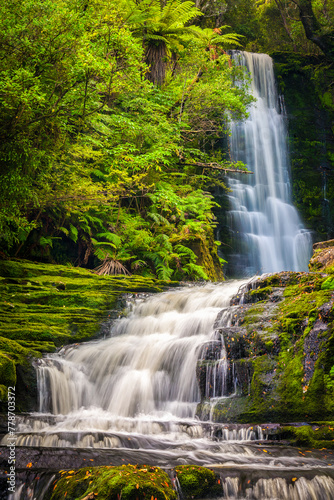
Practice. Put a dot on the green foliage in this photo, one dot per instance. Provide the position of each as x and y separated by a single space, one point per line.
98 165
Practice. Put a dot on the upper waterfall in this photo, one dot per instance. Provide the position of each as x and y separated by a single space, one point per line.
267 231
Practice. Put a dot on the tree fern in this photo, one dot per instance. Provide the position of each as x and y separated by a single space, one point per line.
160 28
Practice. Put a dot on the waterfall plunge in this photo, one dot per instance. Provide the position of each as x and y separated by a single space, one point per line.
147 366
267 231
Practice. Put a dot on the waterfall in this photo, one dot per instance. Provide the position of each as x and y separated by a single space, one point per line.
267 231
132 398
148 365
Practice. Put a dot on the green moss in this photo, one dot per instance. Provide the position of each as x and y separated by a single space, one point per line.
197 482
207 257
263 398
45 306
253 315
231 410
328 284
261 293
314 436
127 482
290 385
7 370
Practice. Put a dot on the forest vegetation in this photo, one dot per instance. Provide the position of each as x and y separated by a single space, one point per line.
114 118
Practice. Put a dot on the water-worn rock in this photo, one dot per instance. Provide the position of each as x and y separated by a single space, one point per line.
280 351
323 256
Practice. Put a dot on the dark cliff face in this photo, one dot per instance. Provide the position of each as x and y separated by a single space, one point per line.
280 352
305 83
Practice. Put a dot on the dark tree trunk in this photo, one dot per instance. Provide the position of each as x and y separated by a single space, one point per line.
313 30
156 59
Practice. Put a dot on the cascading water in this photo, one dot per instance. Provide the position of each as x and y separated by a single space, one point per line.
134 396
266 229
144 373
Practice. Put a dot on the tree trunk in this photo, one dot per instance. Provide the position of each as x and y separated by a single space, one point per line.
313 30
285 23
156 59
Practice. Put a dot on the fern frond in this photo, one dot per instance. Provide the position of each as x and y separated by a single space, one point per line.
111 237
164 272
184 251
195 271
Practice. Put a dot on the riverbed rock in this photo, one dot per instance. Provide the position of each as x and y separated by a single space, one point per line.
198 482
127 482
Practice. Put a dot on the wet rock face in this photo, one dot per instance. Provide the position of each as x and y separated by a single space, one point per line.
323 256
280 350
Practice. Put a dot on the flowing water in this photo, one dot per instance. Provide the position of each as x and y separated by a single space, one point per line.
133 397
267 233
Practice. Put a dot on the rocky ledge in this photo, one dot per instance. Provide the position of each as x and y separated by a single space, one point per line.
280 351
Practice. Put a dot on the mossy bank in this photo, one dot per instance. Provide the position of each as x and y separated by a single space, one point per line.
44 306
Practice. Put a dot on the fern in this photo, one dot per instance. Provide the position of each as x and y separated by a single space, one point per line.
186 252
64 230
163 240
73 233
158 218
164 272
194 271
112 237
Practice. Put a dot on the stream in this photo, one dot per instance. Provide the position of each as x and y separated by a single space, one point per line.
133 398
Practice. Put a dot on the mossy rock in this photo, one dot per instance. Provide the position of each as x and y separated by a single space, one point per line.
45 306
198 482
7 370
313 436
328 284
260 293
282 349
129 482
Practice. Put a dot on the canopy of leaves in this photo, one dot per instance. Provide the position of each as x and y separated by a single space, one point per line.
98 165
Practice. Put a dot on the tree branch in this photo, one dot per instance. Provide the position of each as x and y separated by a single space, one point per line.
217 166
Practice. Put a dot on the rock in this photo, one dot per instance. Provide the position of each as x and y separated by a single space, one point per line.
198 482
323 256
279 345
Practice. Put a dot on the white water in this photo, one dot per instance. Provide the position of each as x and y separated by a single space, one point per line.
135 394
267 231
148 366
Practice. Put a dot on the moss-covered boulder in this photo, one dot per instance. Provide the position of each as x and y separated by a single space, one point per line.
198 482
45 306
315 435
129 482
